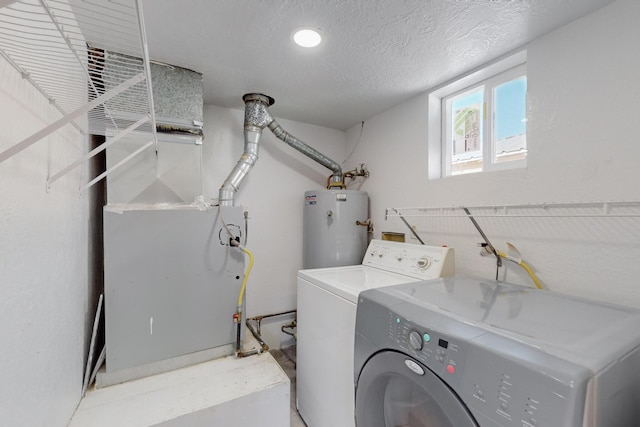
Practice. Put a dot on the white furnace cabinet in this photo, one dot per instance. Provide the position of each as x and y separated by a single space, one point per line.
171 281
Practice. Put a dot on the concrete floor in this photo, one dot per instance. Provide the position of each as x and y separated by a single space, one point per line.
286 358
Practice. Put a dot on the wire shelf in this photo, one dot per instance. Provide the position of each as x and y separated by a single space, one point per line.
616 209
88 58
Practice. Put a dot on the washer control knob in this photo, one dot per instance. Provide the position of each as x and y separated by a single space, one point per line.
415 340
423 263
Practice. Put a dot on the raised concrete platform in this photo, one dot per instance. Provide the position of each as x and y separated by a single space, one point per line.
228 391
106 379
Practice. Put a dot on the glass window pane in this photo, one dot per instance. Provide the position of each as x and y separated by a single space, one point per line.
466 132
510 121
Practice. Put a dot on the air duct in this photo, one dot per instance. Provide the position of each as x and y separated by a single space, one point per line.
256 118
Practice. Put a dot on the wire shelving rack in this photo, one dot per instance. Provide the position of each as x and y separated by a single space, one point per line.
89 59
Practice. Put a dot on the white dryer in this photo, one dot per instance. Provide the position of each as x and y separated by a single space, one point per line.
471 353
326 316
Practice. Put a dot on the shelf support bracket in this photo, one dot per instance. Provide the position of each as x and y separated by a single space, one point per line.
147 71
97 150
26 143
25 75
486 240
117 165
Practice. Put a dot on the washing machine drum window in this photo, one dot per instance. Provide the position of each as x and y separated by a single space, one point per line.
395 390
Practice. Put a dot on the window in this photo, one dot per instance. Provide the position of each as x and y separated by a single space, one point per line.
481 120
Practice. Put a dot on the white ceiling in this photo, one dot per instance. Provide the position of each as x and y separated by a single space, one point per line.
375 53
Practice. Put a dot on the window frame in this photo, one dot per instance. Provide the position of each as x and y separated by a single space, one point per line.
492 75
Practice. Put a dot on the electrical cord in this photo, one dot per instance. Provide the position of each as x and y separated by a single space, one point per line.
355 146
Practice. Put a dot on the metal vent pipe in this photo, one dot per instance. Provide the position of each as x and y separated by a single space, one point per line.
256 118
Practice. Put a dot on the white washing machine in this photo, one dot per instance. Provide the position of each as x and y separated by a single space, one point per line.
326 317
471 353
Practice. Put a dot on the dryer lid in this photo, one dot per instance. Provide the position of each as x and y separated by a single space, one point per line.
578 330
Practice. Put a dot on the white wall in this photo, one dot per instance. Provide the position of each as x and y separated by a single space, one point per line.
583 103
273 193
44 263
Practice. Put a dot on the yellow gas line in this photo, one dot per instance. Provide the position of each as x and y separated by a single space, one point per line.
525 266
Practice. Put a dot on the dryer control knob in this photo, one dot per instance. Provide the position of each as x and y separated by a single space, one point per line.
415 340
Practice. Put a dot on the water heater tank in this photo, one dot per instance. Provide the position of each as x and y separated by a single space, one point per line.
331 237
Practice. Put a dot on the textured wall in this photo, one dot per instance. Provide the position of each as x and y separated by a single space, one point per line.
584 95
43 264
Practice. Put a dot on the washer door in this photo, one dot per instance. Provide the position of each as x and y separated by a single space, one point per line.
395 390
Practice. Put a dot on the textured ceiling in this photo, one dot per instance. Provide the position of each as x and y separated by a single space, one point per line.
375 53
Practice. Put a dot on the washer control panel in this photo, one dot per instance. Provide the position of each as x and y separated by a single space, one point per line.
437 351
419 261
503 377
512 384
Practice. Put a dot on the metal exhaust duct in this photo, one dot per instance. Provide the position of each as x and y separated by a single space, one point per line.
256 118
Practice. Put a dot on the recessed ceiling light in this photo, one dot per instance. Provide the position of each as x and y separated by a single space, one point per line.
307 37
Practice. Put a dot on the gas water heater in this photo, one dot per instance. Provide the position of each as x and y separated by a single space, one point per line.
335 228
335 220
